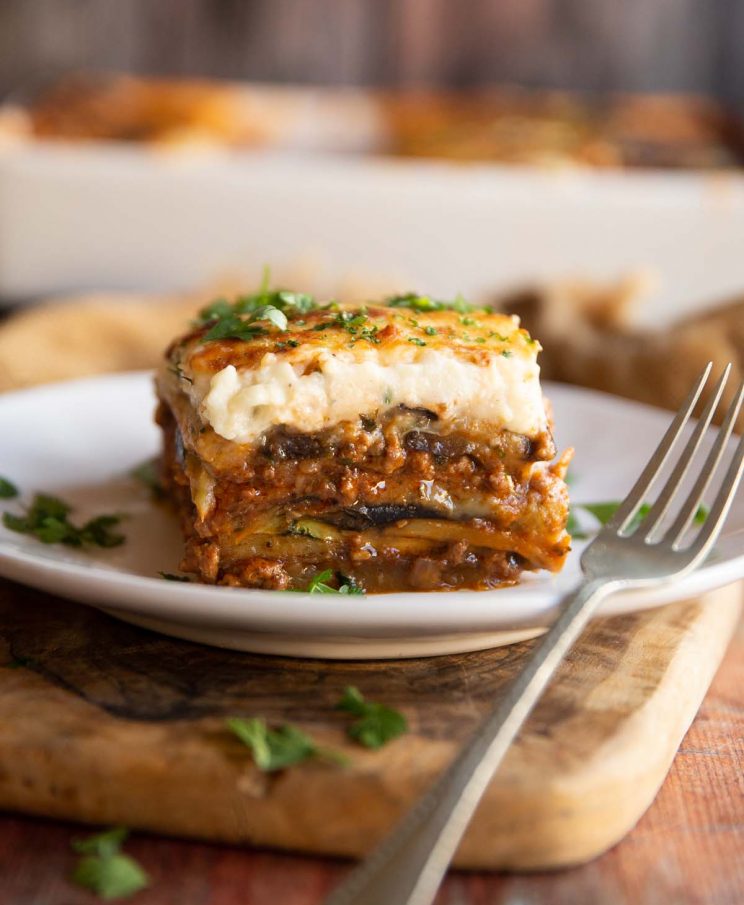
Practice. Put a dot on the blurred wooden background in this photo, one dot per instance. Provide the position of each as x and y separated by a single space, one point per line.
668 45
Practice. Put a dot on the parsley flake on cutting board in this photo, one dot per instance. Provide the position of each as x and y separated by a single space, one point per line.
375 724
276 749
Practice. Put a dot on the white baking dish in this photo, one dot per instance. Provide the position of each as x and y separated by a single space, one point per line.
107 216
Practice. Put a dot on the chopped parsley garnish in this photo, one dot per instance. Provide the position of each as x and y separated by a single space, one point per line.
388 397
218 309
375 724
104 869
355 323
318 584
352 321
417 302
349 585
273 315
148 474
506 353
233 326
170 576
289 303
243 318
47 519
416 341
247 317
8 490
604 511
276 749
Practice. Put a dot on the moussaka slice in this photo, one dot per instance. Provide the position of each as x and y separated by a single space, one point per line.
401 445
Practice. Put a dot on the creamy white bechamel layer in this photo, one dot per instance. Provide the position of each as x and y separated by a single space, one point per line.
318 391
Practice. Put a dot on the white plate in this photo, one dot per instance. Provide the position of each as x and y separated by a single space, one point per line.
81 439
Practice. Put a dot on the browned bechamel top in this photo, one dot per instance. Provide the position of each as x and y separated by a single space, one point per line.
474 336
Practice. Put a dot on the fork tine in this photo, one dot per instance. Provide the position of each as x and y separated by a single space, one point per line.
629 506
664 500
719 510
691 505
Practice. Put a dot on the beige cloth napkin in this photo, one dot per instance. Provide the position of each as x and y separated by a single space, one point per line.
67 338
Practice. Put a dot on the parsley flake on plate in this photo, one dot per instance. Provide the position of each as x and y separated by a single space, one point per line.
276 749
104 869
375 724
604 511
8 489
47 519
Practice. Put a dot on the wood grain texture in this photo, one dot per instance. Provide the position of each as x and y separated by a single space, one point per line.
687 849
107 723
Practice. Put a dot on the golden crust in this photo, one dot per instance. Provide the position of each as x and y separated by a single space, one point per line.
473 336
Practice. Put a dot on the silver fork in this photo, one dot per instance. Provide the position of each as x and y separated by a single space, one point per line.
407 867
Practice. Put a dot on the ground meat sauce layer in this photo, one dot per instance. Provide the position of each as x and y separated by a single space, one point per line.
399 502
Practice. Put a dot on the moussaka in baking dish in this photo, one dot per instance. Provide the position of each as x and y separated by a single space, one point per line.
399 445
500 124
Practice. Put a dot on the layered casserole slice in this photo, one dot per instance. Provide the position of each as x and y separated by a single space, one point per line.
402 445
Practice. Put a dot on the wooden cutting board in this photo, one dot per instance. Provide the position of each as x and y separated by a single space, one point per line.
106 723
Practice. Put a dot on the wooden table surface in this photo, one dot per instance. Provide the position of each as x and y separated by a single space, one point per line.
687 849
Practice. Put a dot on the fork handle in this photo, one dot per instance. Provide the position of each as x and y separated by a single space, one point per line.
407 867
